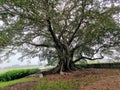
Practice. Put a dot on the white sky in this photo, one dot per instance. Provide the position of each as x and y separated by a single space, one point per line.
13 60
1 23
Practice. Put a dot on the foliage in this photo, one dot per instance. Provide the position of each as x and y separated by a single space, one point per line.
82 63
61 31
16 74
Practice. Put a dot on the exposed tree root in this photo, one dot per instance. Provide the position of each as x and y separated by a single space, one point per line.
59 69
52 71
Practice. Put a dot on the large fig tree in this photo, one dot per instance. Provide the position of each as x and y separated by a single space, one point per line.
61 31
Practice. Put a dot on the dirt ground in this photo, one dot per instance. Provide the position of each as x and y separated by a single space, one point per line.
89 79
109 83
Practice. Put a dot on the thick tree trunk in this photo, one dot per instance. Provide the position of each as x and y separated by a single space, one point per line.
64 65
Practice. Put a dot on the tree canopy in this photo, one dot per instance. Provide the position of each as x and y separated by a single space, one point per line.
61 31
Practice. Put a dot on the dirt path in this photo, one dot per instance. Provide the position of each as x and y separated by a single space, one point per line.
109 83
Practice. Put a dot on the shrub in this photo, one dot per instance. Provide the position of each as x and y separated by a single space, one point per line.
16 74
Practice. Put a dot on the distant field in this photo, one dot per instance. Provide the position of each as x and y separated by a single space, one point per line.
2 70
14 68
25 67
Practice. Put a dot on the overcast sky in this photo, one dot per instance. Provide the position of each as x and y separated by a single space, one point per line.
13 60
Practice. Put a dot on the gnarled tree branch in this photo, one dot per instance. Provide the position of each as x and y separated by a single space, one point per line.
39 45
88 58
80 22
52 33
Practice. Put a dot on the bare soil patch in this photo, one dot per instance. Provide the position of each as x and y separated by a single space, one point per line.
89 79
109 83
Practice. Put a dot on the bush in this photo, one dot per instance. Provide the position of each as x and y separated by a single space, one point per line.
16 74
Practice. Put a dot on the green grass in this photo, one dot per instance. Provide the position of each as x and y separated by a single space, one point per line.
72 84
57 85
5 84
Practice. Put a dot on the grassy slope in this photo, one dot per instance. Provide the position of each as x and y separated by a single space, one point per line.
4 84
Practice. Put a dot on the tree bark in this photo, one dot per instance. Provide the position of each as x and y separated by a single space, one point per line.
65 64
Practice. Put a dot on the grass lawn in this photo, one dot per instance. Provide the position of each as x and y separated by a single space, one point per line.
4 84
